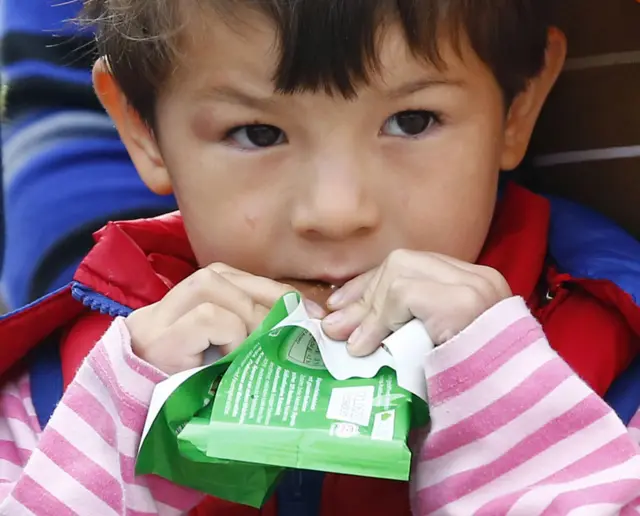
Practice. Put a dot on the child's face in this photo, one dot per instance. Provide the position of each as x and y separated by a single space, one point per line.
325 188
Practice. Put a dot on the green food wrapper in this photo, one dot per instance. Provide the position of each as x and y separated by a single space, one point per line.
288 397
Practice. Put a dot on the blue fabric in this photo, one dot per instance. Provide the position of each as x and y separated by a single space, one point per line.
39 16
586 244
45 376
57 183
25 69
60 190
98 302
624 394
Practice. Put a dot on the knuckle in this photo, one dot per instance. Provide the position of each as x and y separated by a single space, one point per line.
398 292
238 331
142 329
260 312
490 274
495 283
204 314
247 306
218 267
286 287
201 283
205 275
201 279
472 300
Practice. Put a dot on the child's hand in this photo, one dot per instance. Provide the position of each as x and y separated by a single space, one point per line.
444 293
217 305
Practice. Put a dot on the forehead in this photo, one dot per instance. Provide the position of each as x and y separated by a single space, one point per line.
244 47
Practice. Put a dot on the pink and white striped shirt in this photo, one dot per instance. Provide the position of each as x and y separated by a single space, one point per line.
513 431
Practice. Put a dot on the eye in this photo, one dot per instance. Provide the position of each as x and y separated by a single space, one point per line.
409 123
257 136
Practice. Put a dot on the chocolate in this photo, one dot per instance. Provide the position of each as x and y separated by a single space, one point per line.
317 292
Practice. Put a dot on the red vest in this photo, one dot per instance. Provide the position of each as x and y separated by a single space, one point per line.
593 325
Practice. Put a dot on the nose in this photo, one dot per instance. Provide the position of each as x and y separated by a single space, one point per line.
338 200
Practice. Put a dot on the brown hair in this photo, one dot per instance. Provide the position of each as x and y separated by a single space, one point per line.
324 44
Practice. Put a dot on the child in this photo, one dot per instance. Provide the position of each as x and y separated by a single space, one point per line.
357 144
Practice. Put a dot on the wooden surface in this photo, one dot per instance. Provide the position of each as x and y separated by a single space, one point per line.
596 106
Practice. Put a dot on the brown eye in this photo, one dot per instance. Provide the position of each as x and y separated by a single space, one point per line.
409 123
258 136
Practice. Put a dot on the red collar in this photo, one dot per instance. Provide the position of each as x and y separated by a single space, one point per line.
136 263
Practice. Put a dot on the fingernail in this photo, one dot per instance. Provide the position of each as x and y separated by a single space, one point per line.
314 309
336 298
355 339
334 319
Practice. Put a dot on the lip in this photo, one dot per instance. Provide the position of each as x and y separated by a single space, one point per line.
336 281
326 280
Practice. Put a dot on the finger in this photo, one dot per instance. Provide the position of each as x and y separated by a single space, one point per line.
240 296
266 291
400 267
263 291
495 280
447 270
351 291
340 324
390 310
445 310
183 344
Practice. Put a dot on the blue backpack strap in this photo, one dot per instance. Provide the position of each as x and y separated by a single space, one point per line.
624 395
300 493
588 245
45 367
45 378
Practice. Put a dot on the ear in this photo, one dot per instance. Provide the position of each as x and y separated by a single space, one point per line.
526 107
137 137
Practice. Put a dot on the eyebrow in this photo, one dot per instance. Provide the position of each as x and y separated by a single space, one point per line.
412 87
233 95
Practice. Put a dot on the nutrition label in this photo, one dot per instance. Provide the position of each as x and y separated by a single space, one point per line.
304 351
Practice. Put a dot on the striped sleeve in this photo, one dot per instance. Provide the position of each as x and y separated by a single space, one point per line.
515 431
83 461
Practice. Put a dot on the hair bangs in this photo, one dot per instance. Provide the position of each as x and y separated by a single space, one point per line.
324 45
332 45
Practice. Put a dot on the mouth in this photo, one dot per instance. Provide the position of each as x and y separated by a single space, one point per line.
314 290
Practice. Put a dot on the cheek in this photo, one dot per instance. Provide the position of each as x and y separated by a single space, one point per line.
447 203
454 222
240 233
